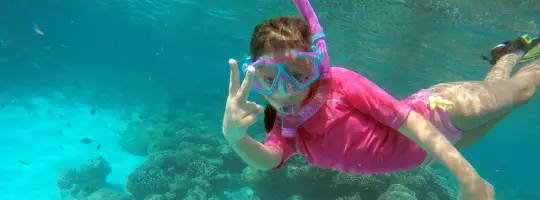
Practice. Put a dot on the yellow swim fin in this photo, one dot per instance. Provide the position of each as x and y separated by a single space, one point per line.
533 51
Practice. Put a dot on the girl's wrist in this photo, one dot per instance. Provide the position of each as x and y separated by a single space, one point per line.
234 138
471 178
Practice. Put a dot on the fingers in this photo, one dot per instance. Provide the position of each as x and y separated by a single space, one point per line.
248 120
246 85
248 112
260 109
234 82
252 107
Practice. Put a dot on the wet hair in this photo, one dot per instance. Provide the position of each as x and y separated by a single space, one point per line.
278 35
270 115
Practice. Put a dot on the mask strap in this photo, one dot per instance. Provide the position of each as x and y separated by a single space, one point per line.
317 36
314 41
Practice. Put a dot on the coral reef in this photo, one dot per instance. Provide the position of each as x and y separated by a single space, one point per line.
88 182
158 132
187 163
190 172
108 194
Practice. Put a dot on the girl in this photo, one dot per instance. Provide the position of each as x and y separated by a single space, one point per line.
339 119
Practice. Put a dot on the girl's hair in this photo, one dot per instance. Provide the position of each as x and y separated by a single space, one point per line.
278 35
270 115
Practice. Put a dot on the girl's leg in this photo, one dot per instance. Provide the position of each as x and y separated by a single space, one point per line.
477 103
479 106
503 68
471 136
500 71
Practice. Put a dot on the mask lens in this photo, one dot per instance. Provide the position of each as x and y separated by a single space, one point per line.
296 75
302 70
265 76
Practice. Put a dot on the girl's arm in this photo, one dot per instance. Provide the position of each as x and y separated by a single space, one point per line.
370 99
256 154
422 131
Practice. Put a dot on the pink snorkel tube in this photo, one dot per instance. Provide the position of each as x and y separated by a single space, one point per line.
290 122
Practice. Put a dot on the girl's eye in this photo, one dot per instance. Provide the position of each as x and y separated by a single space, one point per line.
269 80
299 77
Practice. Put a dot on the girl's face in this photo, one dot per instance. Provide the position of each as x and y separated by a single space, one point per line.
286 94
295 100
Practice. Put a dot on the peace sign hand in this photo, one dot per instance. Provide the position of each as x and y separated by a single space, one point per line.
240 113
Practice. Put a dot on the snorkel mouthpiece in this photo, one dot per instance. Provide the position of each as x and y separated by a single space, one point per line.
288 132
287 110
287 129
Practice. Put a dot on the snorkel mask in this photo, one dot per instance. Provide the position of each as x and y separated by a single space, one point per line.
282 74
288 74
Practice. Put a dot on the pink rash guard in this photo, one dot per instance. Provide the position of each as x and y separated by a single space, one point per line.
356 130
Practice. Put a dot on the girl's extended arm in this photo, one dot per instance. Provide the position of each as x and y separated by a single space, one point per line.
427 136
370 99
256 154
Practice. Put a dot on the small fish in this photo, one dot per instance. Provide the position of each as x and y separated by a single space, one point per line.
22 162
60 146
69 124
98 146
86 141
93 112
37 30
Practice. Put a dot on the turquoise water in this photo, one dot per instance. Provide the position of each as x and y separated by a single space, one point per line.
137 77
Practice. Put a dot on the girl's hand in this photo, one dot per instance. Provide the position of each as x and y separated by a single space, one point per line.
240 113
476 190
